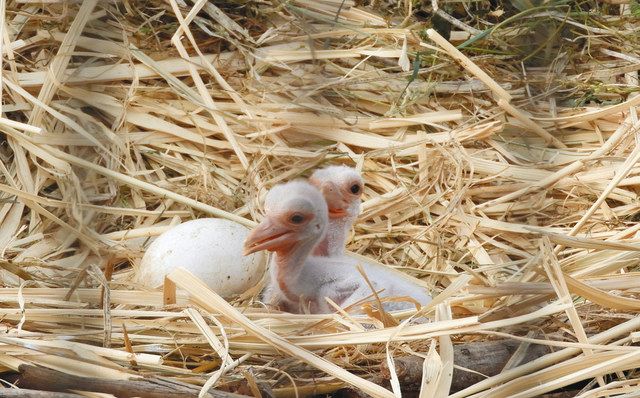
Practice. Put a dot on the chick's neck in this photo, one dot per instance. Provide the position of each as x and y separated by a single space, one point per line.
288 263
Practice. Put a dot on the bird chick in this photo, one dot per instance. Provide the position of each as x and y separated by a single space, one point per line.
342 188
296 219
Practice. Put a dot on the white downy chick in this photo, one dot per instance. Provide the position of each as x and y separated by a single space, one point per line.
295 222
342 188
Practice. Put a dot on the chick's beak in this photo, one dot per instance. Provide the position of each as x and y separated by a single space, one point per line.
268 236
337 213
336 204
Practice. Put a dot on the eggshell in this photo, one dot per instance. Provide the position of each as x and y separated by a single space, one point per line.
211 248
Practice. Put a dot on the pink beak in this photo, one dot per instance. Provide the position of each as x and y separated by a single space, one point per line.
268 236
332 196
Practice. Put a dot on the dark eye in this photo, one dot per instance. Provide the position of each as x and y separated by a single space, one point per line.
355 189
297 219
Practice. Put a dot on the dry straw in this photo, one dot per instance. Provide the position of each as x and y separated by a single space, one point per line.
506 183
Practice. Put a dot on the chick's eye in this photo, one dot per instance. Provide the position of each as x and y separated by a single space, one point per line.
355 189
297 219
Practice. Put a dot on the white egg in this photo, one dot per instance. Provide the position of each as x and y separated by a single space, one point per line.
211 249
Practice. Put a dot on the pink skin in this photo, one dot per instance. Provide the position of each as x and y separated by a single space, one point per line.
342 188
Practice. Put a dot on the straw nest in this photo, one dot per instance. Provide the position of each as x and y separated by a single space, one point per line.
503 176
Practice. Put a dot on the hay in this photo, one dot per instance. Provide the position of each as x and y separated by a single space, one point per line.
501 172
